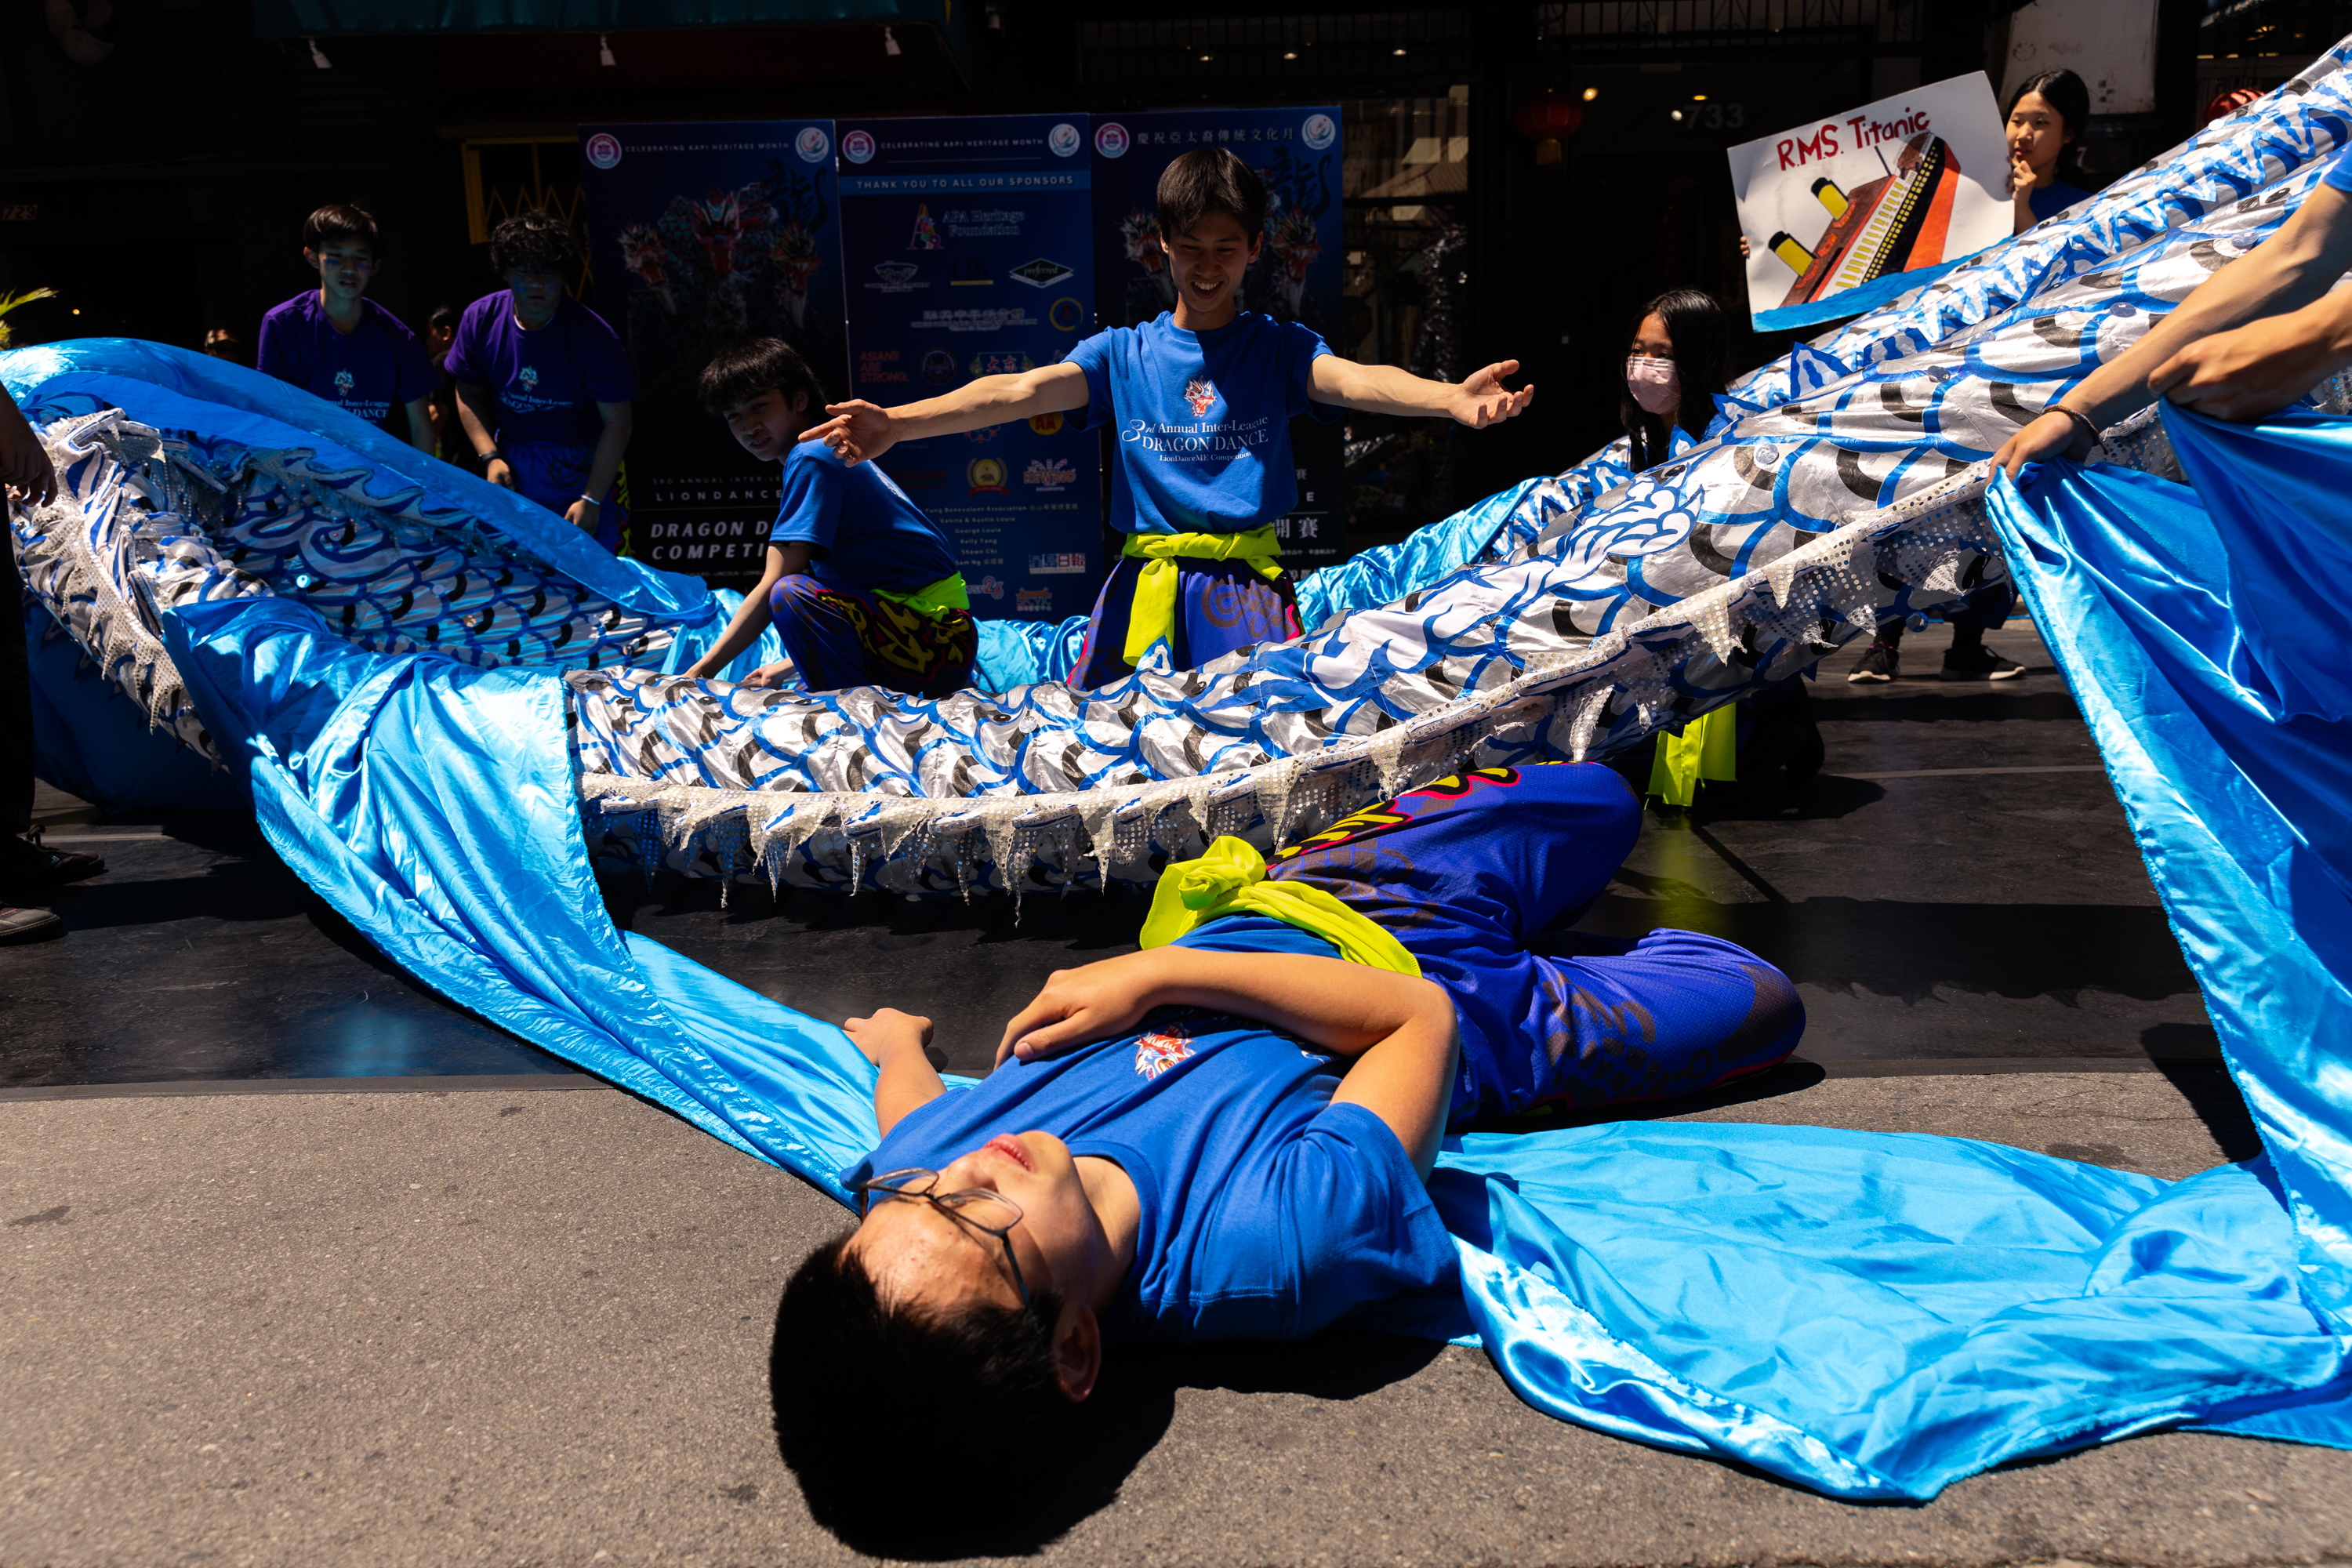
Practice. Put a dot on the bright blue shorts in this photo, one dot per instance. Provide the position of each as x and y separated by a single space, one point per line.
1467 871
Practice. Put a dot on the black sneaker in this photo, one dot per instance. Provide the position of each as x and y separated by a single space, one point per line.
1879 664
1978 664
72 865
27 925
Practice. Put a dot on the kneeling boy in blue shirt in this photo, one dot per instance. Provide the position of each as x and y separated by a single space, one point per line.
1202 399
861 586
1226 1136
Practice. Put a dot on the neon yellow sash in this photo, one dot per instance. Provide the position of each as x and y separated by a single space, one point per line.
935 600
1153 615
1706 748
1230 880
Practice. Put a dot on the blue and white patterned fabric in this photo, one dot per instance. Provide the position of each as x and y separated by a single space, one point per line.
1568 616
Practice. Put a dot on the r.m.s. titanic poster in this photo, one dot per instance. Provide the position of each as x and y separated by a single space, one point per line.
1838 211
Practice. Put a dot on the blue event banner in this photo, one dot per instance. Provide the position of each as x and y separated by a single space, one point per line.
1297 277
965 249
703 236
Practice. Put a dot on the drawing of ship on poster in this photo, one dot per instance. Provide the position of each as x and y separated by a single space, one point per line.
1893 224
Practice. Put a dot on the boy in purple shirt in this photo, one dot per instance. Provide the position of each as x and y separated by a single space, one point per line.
543 385
1202 399
335 344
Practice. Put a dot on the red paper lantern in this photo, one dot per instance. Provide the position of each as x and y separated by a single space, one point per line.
1546 119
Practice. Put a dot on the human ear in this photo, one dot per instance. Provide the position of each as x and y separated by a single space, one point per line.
1077 1351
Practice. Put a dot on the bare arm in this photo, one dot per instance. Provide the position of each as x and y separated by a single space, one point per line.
2205 356
475 412
620 420
1401 1029
1478 402
895 1042
751 616
420 425
861 431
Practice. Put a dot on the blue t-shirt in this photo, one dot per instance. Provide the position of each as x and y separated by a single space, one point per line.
373 370
2048 201
1267 1211
2339 172
547 382
1203 420
865 534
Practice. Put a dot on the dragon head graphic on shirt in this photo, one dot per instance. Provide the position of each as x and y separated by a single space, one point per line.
1200 394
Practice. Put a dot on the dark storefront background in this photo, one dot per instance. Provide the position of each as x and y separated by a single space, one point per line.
160 188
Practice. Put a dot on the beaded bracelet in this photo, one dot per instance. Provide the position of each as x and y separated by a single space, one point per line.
2082 422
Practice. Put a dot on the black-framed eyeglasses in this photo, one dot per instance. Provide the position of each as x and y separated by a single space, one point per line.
991 1214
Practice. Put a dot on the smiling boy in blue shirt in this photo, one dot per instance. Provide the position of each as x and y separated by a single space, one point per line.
1203 398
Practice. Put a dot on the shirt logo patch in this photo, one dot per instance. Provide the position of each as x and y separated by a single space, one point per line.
1200 394
528 378
344 382
1156 1052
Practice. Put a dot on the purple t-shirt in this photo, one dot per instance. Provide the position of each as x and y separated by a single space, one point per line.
373 370
548 381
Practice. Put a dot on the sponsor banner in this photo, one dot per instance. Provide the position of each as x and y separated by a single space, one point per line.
965 253
1845 204
1297 277
703 236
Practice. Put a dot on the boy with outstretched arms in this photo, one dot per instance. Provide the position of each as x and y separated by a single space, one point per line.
1201 399
861 586
1227 1135
544 391
333 343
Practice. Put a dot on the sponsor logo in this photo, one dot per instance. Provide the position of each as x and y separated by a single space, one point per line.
971 274
1319 131
1011 362
1062 564
898 274
1046 424
344 382
1202 393
1067 315
987 587
1111 139
927 233
813 144
984 433
528 378
1064 140
938 367
984 475
857 146
1033 601
604 150
1041 272
1050 474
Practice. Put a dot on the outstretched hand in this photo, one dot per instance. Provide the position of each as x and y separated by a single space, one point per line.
887 1031
857 431
2255 370
1079 1006
1482 399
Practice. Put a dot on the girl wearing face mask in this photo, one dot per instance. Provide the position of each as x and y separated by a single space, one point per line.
1674 368
2045 119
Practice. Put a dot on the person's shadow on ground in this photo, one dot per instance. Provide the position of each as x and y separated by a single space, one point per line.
1129 1414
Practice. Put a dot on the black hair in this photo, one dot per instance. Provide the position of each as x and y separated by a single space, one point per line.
534 240
340 220
1211 180
2064 91
742 372
859 1388
1695 326
441 316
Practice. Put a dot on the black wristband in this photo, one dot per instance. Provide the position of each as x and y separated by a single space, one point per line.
2082 422
492 455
